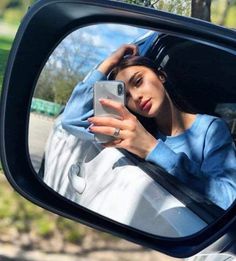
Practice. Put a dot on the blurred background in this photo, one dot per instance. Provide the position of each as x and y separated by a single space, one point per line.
28 232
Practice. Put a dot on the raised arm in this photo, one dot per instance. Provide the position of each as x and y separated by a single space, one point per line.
80 105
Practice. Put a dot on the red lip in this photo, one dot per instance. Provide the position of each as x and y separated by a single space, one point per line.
145 105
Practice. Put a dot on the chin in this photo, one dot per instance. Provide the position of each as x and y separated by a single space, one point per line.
152 113
148 114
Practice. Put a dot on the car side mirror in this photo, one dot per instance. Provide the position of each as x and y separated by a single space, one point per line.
43 28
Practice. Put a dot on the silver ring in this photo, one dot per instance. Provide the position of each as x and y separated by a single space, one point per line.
116 132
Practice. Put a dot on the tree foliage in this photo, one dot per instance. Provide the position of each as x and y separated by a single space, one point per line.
3 6
228 4
67 65
173 6
201 9
179 7
21 5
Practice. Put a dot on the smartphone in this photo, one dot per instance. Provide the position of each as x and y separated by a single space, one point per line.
114 90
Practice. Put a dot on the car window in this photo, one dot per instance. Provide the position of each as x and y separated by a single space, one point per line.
202 74
228 112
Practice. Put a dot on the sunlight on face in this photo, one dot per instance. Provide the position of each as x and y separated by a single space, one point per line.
145 92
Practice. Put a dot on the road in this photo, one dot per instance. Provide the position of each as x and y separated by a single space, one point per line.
129 252
39 129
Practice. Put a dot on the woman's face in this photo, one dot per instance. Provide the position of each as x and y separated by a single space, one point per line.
145 93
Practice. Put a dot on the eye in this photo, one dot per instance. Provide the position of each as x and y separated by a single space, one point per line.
138 81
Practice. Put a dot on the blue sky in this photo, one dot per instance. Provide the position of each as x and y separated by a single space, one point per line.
101 39
111 35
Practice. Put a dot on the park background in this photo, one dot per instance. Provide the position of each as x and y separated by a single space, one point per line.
31 228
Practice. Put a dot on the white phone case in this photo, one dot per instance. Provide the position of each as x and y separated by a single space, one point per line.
114 90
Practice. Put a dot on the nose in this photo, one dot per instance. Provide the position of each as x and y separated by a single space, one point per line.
136 96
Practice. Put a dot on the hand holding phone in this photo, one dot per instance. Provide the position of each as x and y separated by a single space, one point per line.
114 90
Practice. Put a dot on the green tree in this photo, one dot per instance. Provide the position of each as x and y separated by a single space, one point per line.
44 89
147 3
195 8
20 6
227 6
67 65
173 6
179 7
3 6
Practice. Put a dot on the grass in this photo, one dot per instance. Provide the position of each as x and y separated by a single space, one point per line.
5 45
4 55
23 217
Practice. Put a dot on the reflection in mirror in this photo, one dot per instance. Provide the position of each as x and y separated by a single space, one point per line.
157 152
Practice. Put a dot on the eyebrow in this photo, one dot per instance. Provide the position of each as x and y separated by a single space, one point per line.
132 77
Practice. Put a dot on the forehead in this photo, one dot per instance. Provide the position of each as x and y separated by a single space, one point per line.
126 73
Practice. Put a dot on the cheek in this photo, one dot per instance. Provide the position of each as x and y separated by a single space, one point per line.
158 90
130 104
151 86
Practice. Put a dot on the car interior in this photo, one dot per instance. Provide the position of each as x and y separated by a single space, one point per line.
203 75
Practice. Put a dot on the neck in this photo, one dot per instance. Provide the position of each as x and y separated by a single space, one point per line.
171 121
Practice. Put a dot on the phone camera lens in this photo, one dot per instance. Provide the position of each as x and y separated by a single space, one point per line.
120 89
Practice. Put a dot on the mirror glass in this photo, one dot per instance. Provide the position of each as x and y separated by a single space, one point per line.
158 153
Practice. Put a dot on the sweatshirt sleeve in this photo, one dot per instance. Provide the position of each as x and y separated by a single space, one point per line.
215 176
80 106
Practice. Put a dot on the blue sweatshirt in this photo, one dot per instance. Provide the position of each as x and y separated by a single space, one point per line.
204 156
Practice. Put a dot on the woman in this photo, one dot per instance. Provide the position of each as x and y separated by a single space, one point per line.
196 148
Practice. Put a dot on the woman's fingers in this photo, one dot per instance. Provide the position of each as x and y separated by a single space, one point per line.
110 62
114 143
110 131
126 49
107 121
131 49
127 121
120 108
